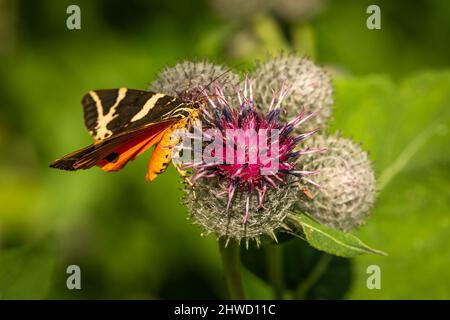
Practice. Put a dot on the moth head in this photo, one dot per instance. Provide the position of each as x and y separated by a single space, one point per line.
200 104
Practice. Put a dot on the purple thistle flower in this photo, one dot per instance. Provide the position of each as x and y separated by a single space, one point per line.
255 153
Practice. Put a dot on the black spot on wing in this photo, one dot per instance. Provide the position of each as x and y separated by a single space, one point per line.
112 157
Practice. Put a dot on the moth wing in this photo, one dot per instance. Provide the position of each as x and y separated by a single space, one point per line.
112 111
112 154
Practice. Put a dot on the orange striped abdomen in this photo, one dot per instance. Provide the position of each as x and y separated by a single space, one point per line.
162 155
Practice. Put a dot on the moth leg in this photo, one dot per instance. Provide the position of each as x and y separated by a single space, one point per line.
185 176
192 120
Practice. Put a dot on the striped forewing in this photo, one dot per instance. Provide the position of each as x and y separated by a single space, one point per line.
112 111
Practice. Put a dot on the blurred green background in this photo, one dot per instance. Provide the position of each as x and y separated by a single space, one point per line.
131 239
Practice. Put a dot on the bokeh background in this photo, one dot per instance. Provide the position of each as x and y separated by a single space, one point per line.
132 239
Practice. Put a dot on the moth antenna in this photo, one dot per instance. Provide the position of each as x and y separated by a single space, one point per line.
214 80
211 82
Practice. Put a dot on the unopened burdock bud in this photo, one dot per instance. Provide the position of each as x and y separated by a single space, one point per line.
346 179
191 76
311 89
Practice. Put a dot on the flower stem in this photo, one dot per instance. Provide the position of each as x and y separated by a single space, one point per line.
314 276
274 262
232 268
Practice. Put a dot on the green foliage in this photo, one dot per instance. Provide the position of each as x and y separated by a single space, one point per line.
26 273
131 239
330 240
405 126
410 37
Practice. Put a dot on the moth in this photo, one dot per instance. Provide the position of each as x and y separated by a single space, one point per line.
125 123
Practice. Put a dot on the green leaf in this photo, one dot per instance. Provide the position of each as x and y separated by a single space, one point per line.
330 240
25 273
405 127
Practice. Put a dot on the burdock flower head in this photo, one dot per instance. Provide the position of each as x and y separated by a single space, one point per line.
245 181
311 87
248 161
347 183
186 79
